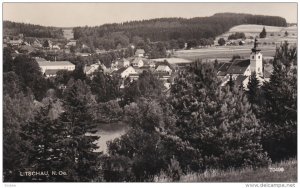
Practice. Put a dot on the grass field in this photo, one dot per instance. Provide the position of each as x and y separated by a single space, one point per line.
222 52
267 45
246 175
274 34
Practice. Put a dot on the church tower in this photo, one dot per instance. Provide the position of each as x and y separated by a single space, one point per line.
256 60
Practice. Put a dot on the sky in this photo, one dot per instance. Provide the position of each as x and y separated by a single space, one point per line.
93 14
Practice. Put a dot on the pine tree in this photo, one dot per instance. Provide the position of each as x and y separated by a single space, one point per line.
230 83
17 110
253 89
217 122
280 107
42 136
80 159
263 33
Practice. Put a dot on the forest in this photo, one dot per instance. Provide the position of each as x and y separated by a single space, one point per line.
110 36
30 30
198 125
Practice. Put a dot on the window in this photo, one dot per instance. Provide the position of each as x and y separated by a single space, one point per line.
258 70
258 57
253 57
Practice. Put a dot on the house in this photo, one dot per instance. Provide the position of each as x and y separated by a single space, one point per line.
137 62
56 47
15 42
37 44
164 67
240 69
125 72
88 70
123 63
50 68
139 53
71 43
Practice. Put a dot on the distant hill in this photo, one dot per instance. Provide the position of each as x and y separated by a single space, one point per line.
163 29
30 30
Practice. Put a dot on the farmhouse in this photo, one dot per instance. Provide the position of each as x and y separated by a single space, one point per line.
139 53
15 42
240 69
50 68
125 72
89 69
164 67
137 62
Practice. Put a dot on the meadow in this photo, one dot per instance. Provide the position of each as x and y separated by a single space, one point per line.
272 173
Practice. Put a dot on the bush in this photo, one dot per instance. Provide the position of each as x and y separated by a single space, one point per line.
221 41
237 35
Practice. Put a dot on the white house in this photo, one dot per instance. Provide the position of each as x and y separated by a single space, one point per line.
139 52
71 43
49 68
88 70
125 71
137 62
164 67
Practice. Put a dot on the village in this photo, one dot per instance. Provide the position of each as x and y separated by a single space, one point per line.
95 97
165 69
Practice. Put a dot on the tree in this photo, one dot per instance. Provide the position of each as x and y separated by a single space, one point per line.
263 33
105 87
205 111
43 149
17 110
148 147
286 34
280 106
221 41
80 161
7 60
253 89
230 83
192 44
147 86
30 76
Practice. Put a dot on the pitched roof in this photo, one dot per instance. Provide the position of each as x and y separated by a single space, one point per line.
164 63
239 79
239 66
55 63
119 71
136 60
140 51
222 71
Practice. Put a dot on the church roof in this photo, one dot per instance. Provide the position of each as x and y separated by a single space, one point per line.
239 79
239 66
222 71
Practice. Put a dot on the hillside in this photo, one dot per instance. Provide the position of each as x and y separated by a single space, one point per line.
31 30
166 29
275 34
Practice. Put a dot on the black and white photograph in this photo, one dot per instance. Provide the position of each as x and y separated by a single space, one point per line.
164 92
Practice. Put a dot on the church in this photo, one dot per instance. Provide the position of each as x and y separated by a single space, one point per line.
241 69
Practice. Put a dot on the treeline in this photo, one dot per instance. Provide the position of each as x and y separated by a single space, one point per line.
198 126
31 30
166 29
